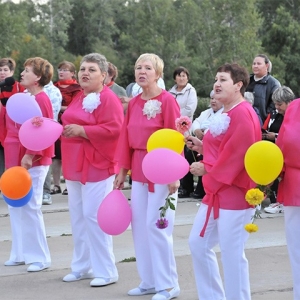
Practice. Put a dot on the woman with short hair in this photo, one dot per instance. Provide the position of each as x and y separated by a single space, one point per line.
148 112
69 88
29 244
262 84
282 97
186 97
224 211
92 124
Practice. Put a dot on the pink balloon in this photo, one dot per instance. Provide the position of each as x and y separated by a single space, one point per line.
114 213
22 106
164 166
40 136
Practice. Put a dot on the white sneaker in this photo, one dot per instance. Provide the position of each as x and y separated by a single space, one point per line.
38 266
75 276
99 281
165 295
47 200
140 292
274 208
10 263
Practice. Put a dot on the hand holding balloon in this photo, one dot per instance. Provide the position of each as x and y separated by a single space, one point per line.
120 179
26 161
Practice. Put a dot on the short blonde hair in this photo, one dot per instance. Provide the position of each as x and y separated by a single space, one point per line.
156 61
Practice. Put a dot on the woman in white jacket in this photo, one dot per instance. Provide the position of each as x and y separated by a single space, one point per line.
184 92
186 96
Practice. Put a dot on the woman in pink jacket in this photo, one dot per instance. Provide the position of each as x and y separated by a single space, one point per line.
29 244
288 190
148 112
224 211
92 124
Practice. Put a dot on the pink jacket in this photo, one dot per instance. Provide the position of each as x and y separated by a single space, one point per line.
137 129
13 149
92 159
289 143
227 181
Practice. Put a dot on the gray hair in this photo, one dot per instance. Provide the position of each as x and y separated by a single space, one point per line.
283 94
249 97
97 58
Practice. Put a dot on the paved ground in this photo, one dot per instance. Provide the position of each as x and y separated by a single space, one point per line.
270 271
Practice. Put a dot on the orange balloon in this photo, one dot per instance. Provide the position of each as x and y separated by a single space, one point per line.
15 183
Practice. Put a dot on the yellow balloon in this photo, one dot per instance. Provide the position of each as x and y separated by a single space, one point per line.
263 162
166 138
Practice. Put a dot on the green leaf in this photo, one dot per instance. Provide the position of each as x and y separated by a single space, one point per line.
172 206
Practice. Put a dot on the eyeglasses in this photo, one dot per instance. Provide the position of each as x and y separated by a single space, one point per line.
63 70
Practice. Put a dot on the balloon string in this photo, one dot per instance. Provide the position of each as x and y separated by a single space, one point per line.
36 159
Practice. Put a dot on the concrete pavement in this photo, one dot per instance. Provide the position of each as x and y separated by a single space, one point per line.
270 272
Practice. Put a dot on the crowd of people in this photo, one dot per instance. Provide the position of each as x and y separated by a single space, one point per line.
105 133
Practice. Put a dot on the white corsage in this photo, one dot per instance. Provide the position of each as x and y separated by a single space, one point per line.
91 102
152 108
219 124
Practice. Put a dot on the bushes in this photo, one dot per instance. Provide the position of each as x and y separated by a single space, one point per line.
203 104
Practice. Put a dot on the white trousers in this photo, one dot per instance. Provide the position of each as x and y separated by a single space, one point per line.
29 242
153 246
292 230
93 249
227 231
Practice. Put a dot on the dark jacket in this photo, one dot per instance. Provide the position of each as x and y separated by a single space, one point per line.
262 91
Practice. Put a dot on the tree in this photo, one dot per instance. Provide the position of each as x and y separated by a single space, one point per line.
280 38
54 17
93 23
223 32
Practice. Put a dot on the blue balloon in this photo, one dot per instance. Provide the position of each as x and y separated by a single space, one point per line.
19 202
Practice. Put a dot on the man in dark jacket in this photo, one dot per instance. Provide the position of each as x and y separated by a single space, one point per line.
262 85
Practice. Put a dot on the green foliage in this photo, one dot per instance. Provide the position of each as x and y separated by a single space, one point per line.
197 34
282 40
130 259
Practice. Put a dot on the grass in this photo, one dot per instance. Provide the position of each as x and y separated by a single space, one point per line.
128 259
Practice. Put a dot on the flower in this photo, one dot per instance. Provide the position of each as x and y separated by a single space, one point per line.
255 196
151 108
37 121
251 227
183 124
219 124
162 222
91 102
